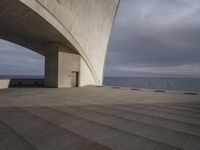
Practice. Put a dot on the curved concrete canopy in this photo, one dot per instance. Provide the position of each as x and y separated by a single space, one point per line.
83 26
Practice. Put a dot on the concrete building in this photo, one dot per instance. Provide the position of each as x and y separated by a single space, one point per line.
71 34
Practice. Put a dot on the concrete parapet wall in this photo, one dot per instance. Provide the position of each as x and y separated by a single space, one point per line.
26 82
6 83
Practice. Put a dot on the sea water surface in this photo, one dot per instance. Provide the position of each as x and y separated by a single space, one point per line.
21 77
182 84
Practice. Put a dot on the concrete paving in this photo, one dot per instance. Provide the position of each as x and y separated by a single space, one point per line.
98 118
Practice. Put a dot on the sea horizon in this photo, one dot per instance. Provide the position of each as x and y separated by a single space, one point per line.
165 83
20 76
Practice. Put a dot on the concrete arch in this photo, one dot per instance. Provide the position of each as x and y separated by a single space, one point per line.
79 27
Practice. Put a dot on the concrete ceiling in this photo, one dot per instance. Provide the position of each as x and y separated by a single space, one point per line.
21 25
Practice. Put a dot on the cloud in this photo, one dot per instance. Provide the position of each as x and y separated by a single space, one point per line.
16 60
152 36
149 38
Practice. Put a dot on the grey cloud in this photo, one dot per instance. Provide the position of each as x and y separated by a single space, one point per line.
149 38
16 60
154 36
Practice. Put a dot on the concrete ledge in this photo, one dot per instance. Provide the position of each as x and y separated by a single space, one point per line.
26 82
4 83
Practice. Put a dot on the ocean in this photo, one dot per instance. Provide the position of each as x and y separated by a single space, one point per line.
178 84
20 77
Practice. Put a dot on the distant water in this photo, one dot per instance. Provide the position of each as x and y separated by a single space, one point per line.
20 77
183 84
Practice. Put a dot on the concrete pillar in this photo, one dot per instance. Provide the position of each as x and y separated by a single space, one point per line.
62 68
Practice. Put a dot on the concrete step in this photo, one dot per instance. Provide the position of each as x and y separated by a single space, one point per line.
42 134
150 132
168 109
183 127
103 134
179 106
156 113
10 140
195 106
93 128
134 108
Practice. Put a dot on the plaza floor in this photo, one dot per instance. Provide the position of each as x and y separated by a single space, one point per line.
98 118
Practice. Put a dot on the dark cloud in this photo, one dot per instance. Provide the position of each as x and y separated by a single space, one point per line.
155 38
149 38
16 60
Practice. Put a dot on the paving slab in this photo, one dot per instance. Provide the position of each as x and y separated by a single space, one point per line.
98 118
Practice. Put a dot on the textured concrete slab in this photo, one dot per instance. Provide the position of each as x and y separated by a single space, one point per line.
80 27
92 118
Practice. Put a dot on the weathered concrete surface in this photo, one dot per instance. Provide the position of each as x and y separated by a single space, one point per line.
4 83
98 118
34 82
83 26
59 66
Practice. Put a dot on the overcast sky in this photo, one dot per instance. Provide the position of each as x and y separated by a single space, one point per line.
155 38
149 38
16 60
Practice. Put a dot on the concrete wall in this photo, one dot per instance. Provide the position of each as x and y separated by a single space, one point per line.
87 25
83 26
86 77
4 83
68 63
51 66
26 82
59 65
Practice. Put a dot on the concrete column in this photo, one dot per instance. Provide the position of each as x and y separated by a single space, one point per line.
60 65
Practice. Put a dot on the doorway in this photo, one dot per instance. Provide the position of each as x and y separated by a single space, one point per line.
75 79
